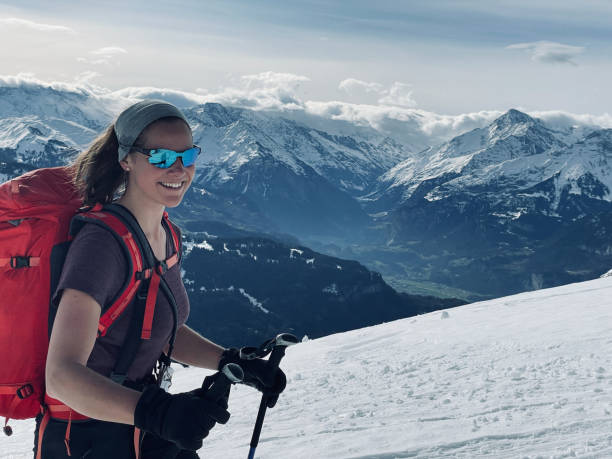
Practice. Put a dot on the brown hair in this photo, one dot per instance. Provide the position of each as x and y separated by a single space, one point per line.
97 173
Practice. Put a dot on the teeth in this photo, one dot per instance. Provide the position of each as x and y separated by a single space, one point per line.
172 185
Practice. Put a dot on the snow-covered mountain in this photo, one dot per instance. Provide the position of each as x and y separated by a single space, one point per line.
301 179
45 126
512 162
260 169
525 376
63 103
444 215
234 137
485 211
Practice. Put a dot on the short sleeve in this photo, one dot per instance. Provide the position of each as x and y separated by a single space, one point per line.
95 264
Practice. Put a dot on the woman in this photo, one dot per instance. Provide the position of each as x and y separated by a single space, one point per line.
147 157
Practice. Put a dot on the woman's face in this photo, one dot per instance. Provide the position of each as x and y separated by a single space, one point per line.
155 185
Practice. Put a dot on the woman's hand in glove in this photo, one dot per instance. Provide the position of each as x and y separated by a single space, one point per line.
184 419
258 373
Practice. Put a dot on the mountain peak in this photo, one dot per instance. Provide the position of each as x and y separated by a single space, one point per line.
513 116
215 114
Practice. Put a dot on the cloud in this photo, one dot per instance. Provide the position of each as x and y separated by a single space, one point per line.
104 56
24 23
351 84
266 90
109 51
29 80
181 99
399 94
274 79
563 120
413 127
88 61
550 52
85 77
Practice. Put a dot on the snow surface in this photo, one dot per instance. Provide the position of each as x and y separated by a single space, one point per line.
525 376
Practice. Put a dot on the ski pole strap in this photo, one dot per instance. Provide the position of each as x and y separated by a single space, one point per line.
282 340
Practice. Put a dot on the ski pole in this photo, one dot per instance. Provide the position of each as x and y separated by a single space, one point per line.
281 342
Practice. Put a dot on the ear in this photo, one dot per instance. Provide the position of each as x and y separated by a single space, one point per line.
126 163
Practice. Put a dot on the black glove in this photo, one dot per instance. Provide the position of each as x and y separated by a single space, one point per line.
184 419
258 373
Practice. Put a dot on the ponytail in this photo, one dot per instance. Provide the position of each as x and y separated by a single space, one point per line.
97 173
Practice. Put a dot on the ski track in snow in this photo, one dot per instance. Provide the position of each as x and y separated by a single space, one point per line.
527 376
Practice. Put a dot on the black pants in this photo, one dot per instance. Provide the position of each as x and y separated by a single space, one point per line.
103 440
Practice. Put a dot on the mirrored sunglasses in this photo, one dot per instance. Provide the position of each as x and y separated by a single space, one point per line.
163 158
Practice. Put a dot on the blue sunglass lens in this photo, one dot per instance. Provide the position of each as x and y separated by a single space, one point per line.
189 156
163 158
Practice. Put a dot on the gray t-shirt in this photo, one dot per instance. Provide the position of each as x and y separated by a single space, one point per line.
96 265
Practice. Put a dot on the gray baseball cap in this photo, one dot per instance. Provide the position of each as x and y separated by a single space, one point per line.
132 121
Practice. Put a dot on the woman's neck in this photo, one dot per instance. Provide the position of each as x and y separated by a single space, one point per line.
149 217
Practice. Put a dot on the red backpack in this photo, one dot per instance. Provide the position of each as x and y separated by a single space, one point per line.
40 213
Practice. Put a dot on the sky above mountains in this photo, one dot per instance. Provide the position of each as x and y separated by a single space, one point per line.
445 56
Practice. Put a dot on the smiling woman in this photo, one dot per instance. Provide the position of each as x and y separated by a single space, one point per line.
103 376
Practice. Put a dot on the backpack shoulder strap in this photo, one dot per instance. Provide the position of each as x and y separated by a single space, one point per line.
137 271
177 246
153 284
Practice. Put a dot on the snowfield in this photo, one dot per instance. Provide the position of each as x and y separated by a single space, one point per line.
525 376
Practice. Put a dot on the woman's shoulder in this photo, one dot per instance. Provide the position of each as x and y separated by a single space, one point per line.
98 234
97 242
95 264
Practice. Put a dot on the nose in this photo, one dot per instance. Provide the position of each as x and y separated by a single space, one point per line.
178 164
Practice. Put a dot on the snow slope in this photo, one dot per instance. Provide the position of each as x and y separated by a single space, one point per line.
525 376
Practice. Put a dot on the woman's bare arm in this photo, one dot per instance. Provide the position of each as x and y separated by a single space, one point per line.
193 349
67 377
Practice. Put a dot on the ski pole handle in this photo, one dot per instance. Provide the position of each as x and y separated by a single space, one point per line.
229 374
278 351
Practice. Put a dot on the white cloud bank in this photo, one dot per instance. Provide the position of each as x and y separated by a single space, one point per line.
27 24
550 52
266 90
280 92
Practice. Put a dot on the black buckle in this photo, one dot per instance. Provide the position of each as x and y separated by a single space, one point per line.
162 267
144 274
143 291
25 391
20 262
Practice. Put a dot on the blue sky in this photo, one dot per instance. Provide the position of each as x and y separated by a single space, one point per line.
444 56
